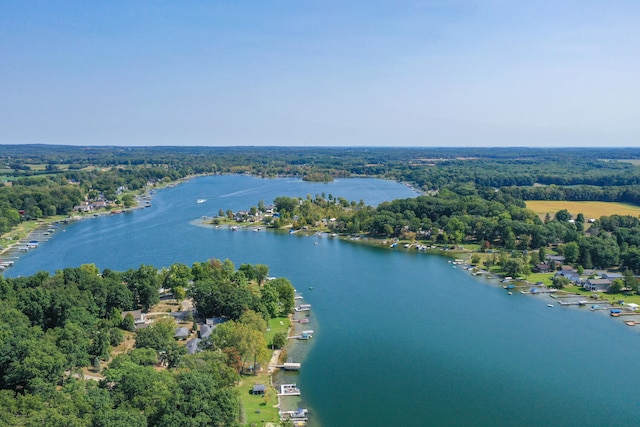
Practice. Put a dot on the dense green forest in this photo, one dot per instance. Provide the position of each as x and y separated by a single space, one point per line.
52 326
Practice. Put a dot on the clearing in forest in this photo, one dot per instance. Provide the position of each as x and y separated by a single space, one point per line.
588 209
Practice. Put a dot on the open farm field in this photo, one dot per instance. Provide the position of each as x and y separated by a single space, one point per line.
635 162
588 209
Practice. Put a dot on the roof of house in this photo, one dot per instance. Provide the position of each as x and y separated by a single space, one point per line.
137 314
182 332
192 345
599 281
205 330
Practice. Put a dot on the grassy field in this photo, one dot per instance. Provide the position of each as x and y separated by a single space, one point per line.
588 209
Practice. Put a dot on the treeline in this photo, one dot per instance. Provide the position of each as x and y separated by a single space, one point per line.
528 169
53 326
623 194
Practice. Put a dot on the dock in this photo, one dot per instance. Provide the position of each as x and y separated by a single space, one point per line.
289 390
300 415
288 366
580 303
301 337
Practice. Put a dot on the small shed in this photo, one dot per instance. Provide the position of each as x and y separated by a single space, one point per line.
259 389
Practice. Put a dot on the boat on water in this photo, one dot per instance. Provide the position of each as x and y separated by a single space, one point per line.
201 200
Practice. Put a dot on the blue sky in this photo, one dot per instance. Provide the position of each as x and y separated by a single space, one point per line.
336 73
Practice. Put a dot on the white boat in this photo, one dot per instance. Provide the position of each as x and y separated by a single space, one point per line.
201 200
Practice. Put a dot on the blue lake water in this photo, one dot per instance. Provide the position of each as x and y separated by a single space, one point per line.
401 338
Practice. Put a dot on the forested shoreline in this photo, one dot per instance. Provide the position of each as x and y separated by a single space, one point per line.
54 326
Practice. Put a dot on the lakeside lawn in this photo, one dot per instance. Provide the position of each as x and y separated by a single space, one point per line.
588 209
603 296
260 409
22 230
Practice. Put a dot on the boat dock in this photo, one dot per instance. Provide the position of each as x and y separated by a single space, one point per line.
288 366
580 303
303 336
300 415
289 390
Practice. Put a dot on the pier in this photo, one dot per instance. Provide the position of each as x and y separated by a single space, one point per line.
300 415
288 366
289 390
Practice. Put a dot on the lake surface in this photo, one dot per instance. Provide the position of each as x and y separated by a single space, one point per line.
401 337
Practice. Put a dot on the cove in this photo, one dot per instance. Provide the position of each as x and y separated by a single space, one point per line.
401 337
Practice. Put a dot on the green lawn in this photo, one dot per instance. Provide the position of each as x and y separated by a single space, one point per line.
602 296
540 277
278 324
260 409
